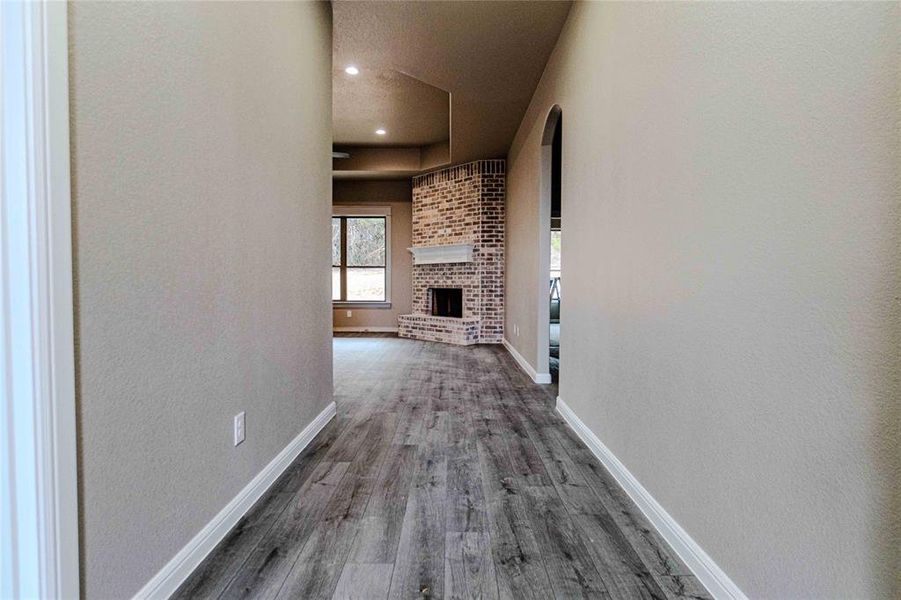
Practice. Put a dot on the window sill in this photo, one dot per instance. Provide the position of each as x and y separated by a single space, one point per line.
360 304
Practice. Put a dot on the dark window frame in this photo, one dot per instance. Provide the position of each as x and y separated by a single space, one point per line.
344 267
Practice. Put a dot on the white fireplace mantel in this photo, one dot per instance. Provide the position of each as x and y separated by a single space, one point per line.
452 253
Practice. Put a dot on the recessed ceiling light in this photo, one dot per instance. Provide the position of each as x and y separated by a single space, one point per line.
380 132
352 70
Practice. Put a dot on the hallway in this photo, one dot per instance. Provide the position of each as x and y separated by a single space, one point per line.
446 474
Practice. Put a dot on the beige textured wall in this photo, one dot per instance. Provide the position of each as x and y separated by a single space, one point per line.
397 195
731 251
201 138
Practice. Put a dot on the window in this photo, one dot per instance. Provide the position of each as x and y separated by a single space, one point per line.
555 254
360 256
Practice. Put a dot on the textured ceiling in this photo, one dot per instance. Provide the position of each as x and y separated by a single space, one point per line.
488 55
412 112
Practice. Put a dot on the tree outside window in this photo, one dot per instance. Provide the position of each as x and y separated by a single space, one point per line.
359 268
555 254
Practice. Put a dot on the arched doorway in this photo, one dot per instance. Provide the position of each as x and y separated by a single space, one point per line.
550 237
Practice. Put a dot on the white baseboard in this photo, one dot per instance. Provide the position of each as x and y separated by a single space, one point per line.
525 366
177 570
708 573
364 329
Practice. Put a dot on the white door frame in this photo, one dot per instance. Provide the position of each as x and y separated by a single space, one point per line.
38 496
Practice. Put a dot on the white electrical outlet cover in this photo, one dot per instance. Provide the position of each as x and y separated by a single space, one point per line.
239 428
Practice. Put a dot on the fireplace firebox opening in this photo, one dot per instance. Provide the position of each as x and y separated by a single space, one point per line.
447 302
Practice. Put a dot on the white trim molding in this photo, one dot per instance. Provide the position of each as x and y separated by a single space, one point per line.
539 378
359 304
177 570
433 255
39 499
704 568
364 329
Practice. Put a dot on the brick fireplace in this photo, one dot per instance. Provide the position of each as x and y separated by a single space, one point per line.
458 244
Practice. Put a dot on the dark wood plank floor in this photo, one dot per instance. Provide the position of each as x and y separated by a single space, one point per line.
446 474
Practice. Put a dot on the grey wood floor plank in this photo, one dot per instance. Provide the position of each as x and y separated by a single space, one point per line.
620 507
319 565
621 569
570 568
521 572
265 570
523 456
351 440
559 465
465 496
466 504
364 581
211 577
410 424
499 478
436 433
446 473
461 431
379 534
311 580
419 567
683 586
468 567
215 573
666 569
338 524
623 572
